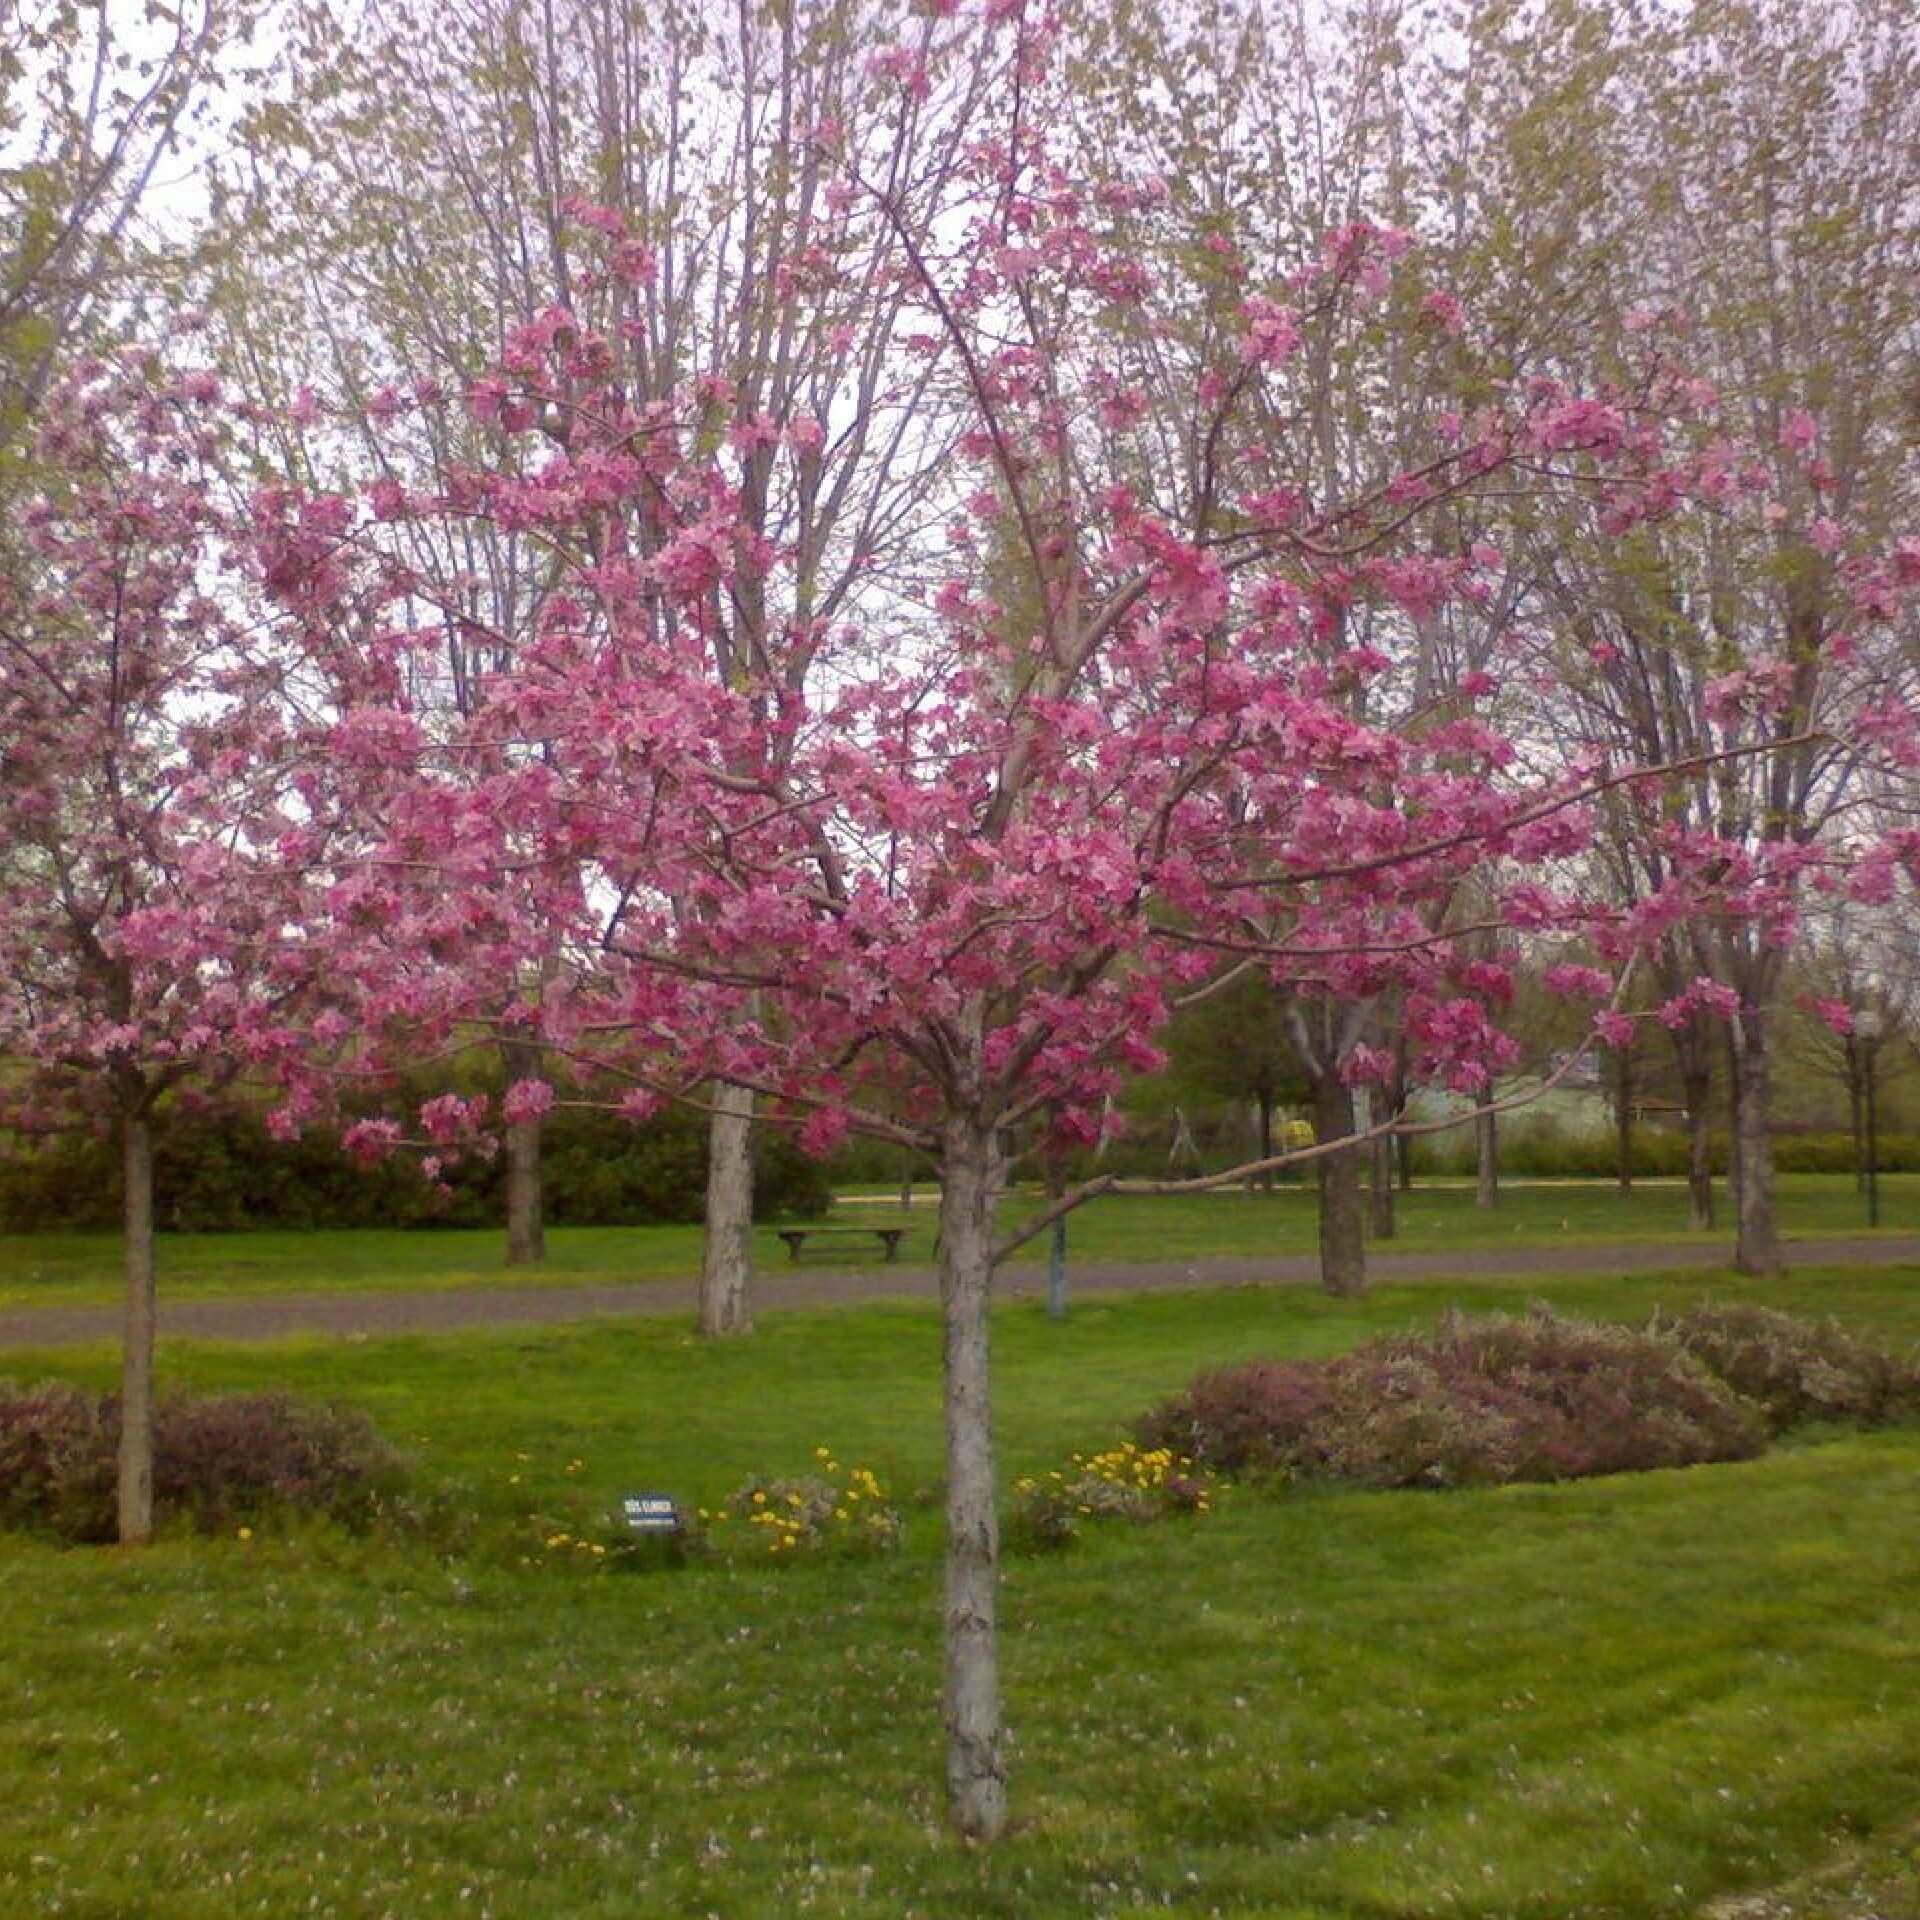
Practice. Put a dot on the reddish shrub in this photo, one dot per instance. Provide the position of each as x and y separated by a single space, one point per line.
1796 1370
1479 1400
1239 1419
1579 1398
57 1465
217 1460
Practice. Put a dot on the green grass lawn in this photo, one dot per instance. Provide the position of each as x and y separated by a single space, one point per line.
81 1268
1632 1697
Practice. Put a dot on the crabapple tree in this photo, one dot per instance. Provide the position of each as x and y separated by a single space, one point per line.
941 865
149 933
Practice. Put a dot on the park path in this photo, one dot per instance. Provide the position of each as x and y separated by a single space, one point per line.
436 1310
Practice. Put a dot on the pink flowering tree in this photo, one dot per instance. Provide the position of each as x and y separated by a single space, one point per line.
149 934
938 869
1764 650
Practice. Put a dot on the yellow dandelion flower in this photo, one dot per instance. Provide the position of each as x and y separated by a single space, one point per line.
244 1533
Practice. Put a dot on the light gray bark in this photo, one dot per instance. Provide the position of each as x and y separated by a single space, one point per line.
526 1208
526 1224
1380 1220
976 1767
1486 1140
726 1263
1343 1253
136 1377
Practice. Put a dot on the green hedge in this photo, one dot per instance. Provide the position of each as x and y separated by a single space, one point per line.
220 1172
1546 1151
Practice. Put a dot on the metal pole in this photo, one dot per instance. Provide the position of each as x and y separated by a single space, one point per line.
1873 1142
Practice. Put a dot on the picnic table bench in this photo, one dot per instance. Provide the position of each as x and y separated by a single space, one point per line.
797 1237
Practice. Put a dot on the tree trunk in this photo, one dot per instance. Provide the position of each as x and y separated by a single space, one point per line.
1623 1115
1265 1099
526 1222
976 1769
1343 1253
1697 1092
726 1262
1757 1248
1380 1193
526 1219
1486 1140
136 1376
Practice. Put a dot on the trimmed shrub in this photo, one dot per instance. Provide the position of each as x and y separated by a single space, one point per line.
1796 1370
57 1460
1251 1418
218 1461
1496 1398
1477 1401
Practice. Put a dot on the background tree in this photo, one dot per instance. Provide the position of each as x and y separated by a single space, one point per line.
438 175
1233 1046
1762 159
92 103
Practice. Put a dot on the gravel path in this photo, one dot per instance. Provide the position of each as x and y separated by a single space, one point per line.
429 1310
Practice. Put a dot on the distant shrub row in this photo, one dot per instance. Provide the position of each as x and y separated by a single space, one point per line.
1537 1147
1496 1399
1546 1151
217 1172
219 1461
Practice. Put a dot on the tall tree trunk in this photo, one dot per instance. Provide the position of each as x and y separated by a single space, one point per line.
1696 1091
1486 1141
1380 1220
526 1212
1757 1248
136 1374
1343 1253
726 1262
1623 1114
1264 1098
976 1768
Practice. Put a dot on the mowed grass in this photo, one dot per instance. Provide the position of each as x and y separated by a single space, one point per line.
1641 1696
77 1269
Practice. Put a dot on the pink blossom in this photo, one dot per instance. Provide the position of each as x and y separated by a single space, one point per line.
1799 431
526 1101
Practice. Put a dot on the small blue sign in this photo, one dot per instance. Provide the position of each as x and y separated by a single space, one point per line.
651 1513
